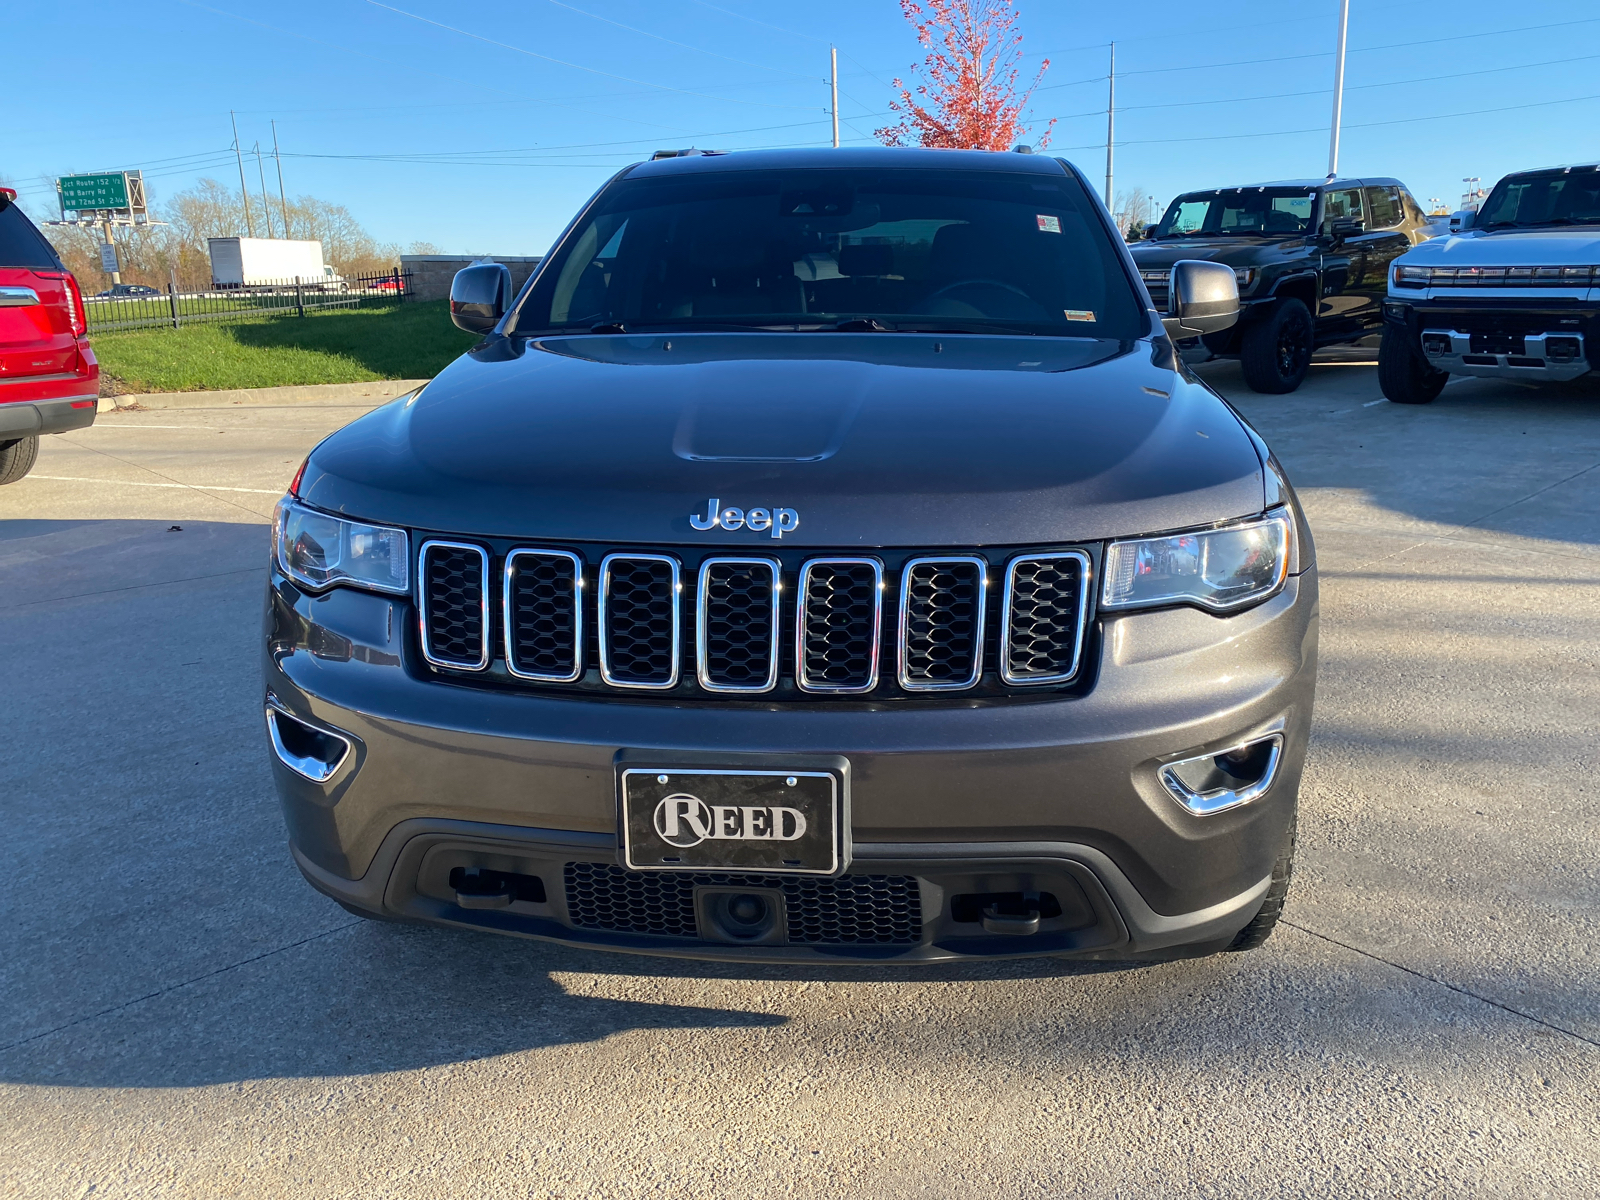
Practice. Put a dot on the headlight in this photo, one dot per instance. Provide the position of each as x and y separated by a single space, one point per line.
1413 276
1218 569
1246 276
319 550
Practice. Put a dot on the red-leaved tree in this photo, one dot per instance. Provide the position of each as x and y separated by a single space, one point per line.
967 97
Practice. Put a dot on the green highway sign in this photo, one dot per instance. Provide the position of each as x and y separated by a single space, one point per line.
85 193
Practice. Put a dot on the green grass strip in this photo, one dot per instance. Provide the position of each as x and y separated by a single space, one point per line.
400 341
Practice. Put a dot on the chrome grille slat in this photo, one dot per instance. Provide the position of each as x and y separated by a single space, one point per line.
736 624
542 606
839 625
1043 614
943 603
640 621
453 604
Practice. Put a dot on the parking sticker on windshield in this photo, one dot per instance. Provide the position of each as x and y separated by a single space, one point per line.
1049 224
1078 314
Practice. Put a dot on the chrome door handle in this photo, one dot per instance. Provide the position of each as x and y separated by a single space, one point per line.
17 297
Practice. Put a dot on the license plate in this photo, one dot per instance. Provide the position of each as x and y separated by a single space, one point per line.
783 822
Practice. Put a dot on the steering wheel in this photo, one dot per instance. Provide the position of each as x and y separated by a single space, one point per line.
968 283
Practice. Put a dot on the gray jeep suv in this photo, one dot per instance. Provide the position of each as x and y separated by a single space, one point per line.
825 557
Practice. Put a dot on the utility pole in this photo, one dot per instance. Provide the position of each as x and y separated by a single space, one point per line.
1111 126
244 192
1338 90
266 205
833 80
283 200
105 232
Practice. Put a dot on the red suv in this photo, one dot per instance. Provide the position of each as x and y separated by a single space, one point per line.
49 379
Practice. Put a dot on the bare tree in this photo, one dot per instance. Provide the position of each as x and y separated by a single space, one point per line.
1135 209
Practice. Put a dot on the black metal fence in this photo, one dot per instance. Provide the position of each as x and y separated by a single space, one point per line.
150 308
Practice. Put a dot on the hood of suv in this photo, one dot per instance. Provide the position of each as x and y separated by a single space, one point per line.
1557 246
874 439
1230 251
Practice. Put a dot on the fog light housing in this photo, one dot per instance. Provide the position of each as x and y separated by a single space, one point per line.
1434 344
1223 779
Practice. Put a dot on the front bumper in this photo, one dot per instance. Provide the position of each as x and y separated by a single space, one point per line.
1050 796
1501 339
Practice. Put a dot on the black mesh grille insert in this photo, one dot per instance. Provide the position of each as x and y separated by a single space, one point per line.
738 620
1042 634
942 645
639 620
543 615
453 592
853 910
839 626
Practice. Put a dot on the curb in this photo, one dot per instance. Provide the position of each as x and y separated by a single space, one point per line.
375 392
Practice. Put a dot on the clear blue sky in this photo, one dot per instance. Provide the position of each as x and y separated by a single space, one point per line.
428 134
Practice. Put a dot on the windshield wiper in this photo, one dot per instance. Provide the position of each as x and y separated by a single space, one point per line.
863 325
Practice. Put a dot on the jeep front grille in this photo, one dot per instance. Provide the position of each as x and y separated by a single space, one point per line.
455 604
1046 598
853 910
942 603
639 621
543 615
737 624
839 626
785 625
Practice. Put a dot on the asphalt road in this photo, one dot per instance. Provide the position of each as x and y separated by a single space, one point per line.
183 1016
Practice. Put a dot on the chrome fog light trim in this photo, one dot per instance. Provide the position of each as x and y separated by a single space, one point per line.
1204 802
307 766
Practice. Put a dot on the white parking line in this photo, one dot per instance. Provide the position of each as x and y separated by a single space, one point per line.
1370 403
187 487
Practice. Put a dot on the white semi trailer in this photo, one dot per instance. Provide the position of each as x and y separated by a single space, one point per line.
254 262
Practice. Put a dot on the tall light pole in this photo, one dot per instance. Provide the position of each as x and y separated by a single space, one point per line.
1338 90
1111 125
833 81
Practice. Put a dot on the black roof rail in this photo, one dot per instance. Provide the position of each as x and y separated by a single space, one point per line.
691 152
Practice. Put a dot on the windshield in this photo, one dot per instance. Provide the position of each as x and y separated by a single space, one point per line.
956 251
1256 211
1566 197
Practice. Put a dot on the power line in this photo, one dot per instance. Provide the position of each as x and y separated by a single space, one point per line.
670 42
1229 137
577 66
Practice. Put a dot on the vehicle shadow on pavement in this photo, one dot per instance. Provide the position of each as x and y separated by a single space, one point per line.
1488 454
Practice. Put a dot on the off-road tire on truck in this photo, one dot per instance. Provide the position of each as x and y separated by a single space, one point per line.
1276 352
1261 925
1404 377
17 458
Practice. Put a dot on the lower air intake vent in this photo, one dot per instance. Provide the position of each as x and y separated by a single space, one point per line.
544 619
639 645
941 623
839 625
455 605
737 608
853 910
1046 599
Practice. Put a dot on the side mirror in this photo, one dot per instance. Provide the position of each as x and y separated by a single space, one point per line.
1204 299
479 296
1461 220
1339 228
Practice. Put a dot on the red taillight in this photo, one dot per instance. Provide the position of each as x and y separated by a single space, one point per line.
75 313
294 484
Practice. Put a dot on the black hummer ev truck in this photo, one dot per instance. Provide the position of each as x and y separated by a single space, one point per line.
1312 261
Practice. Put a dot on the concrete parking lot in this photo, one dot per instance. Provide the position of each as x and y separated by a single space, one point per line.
183 1016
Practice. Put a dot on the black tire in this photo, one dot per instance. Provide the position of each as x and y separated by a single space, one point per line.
1261 925
1276 351
1404 377
17 458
